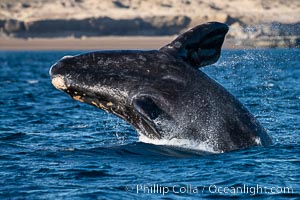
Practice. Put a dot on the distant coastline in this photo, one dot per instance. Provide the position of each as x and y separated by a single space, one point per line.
87 23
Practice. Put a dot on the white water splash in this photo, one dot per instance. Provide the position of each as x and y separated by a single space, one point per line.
184 143
258 141
32 81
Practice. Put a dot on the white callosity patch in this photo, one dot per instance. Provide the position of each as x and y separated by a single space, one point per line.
65 57
58 82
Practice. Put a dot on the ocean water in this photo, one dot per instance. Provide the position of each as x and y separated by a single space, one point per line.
52 147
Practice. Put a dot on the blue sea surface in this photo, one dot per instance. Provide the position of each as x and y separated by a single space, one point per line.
52 147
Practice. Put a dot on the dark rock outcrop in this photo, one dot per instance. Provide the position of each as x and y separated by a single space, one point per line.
103 26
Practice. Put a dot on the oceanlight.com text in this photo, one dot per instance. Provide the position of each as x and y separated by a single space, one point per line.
251 190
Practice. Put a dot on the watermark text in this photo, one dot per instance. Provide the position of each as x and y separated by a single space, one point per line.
251 190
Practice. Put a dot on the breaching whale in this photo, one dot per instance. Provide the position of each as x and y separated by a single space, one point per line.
162 93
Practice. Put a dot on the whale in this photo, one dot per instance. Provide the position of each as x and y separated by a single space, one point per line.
163 94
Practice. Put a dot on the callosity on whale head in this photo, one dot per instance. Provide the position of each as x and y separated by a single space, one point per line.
162 93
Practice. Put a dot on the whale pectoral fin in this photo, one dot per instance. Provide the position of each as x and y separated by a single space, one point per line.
200 46
147 108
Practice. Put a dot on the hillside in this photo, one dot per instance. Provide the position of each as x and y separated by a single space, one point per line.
265 23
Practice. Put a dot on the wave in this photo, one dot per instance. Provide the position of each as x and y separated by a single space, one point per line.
141 149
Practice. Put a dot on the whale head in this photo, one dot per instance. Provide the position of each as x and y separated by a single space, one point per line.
137 86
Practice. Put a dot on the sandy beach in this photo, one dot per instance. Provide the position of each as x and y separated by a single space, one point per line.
96 43
84 44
